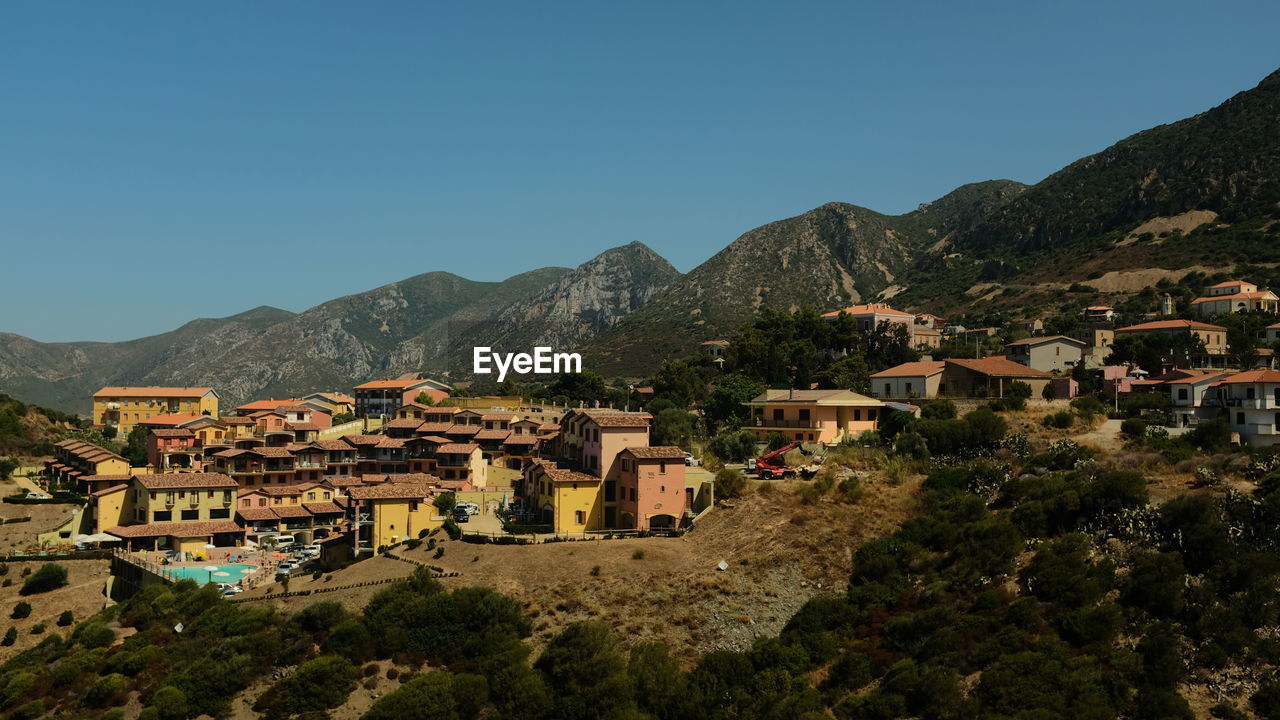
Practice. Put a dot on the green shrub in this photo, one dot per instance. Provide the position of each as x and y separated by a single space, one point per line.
170 703
1133 427
104 690
50 576
21 610
10 637
66 618
1061 419
730 483
452 529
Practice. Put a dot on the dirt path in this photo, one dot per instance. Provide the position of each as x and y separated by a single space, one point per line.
1103 437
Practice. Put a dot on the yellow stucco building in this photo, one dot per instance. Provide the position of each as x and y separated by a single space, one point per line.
391 512
571 502
178 511
813 415
124 407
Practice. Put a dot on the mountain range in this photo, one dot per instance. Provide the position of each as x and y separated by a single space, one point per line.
1200 193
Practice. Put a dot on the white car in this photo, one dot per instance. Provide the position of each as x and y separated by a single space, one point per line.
691 461
39 496
310 551
470 507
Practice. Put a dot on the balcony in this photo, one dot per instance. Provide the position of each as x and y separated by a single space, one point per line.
789 424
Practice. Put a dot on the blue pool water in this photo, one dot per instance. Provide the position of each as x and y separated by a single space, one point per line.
200 575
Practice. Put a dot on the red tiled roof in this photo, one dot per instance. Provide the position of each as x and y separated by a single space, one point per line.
104 478
1253 295
338 444
997 367
618 419
457 448
427 428
179 529
363 439
912 369
1171 325
1253 376
659 452
403 423
254 514
172 433
492 434
499 416
152 391
391 491
109 490
290 511
257 405
868 309
322 508
304 426
179 481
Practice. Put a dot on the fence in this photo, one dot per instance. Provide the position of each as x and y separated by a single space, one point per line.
335 588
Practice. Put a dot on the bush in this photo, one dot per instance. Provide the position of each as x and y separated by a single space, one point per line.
50 576
318 684
1133 427
37 629
1061 419
20 611
730 483
104 690
66 618
637 555
733 445
940 409
10 637
29 711
451 528
170 703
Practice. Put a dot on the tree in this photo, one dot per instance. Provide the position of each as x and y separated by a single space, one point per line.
673 426
7 466
584 387
939 409
318 684
680 383
50 576
66 618
586 673
730 483
342 418
429 697
1050 392
733 445
725 405
135 447
21 610
445 502
424 399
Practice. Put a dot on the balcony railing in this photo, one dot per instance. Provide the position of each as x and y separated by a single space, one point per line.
798 424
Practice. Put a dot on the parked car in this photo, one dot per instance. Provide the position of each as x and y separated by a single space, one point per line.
691 461
311 550
460 515
470 507
39 496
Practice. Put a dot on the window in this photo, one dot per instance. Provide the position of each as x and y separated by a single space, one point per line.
162 516
579 517
1182 393
857 414
1239 418
777 414
662 468
262 502
804 413
210 495
888 389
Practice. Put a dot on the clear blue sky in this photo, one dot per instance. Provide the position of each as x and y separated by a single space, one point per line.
161 161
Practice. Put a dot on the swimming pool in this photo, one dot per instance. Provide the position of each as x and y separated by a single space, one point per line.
234 573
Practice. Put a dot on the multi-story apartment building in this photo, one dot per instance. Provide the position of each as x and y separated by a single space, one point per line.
74 460
124 407
382 397
1051 353
1214 337
651 488
386 513
870 316
177 511
813 415
1236 296
1252 402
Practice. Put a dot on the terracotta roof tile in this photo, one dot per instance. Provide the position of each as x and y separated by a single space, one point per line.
912 369
997 367
659 452
185 481
457 448
153 391
179 529
1170 325
391 491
